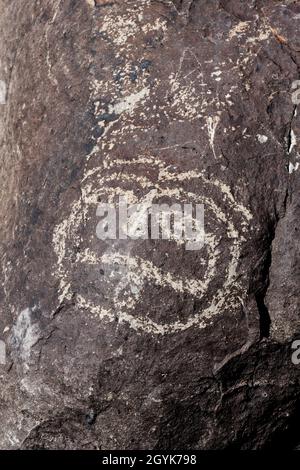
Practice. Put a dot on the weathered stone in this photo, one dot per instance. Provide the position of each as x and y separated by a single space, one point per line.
123 344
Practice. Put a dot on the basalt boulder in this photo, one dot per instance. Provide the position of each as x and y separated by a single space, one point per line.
137 342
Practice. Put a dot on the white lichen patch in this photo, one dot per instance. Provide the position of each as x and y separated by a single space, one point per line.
212 124
293 167
123 28
25 334
293 141
128 103
187 101
262 139
3 92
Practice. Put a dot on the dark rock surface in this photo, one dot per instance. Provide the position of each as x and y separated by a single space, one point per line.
143 344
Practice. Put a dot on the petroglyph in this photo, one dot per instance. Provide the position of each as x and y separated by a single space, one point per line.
135 103
238 29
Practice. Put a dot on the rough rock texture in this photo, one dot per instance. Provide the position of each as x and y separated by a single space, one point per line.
143 344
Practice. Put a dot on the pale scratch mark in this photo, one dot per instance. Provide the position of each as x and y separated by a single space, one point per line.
293 167
212 124
173 87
